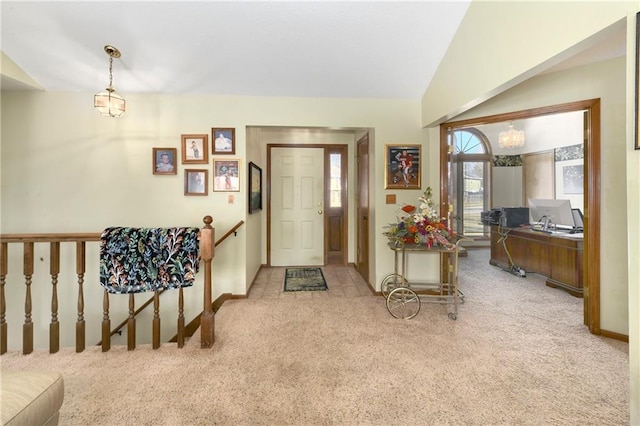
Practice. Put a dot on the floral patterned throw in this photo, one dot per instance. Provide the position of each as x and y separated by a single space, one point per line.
135 260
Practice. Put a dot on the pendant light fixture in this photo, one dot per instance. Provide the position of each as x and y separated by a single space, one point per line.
109 103
512 138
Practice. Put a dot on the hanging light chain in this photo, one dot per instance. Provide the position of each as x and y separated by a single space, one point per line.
110 103
110 89
112 52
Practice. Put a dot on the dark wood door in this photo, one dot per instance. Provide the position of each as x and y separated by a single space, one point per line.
362 189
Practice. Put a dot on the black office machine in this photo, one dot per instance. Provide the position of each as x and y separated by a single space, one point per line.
514 217
491 217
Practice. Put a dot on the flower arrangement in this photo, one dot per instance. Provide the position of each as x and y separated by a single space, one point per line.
420 225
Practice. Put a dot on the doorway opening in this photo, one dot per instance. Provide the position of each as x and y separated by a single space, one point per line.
470 169
591 143
307 204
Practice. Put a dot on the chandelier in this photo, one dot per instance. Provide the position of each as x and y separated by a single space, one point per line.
109 103
511 138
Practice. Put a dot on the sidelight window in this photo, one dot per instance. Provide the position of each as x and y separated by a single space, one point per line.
335 180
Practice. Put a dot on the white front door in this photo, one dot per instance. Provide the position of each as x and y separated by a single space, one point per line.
297 207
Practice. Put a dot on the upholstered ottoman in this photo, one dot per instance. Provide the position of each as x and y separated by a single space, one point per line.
31 397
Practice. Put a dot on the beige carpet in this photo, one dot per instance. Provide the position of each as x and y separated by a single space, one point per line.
517 355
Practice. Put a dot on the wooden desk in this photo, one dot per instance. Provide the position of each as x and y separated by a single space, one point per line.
557 257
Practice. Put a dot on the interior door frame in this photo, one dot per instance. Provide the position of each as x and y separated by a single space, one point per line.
362 201
343 150
460 160
345 221
592 144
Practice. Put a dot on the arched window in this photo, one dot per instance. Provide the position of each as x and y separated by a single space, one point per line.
469 180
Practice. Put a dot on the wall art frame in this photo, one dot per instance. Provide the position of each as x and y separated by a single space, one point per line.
196 182
163 161
402 166
223 140
195 149
226 175
255 188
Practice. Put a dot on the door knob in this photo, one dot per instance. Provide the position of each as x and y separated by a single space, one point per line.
319 211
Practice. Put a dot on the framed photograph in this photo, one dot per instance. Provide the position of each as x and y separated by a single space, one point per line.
255 188
164 161
569 176
196 182
573 179
194 149
402 167
223 141
226 175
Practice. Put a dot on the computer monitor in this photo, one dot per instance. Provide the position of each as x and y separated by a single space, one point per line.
557 212
578 222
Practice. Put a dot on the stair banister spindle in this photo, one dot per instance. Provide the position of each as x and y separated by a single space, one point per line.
106 323
207 253
156 320
27 327
131 324
180 334
81 250
4 266
54 270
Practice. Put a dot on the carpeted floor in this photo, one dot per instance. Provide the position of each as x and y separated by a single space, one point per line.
517 355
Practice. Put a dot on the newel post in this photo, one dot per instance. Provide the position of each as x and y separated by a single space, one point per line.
207 253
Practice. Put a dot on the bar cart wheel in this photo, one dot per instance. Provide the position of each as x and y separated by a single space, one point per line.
391 282
403 303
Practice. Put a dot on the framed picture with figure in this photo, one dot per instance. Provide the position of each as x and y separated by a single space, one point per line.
255 188
226 175
402 167
195 149
196 182
164 161
223 140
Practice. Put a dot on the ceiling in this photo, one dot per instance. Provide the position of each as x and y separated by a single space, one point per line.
360 49
355 49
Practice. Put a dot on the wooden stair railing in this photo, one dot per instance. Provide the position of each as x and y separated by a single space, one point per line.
120 326
28 241
193 325
182 331
80 240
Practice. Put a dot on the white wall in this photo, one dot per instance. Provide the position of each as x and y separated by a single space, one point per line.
254 222
545 36
504 43
601 80
67 169
507 187
633 223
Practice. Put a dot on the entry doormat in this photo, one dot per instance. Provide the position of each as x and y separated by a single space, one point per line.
304 279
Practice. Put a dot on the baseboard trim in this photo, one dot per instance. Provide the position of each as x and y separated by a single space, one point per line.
253 281
614 335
